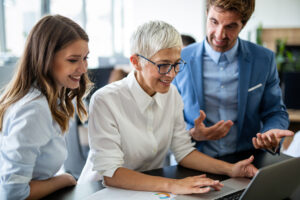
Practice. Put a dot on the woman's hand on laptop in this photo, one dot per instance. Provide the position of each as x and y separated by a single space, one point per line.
244 168
194 185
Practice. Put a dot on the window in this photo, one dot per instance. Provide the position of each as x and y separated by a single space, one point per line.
103 21
2 29
72 9
99 29
105 29
20 17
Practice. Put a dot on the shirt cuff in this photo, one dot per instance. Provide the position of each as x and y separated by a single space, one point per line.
109 172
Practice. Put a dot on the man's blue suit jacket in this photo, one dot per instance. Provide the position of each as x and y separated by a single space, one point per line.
259 110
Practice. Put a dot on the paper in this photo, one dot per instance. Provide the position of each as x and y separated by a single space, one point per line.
294 148
117 194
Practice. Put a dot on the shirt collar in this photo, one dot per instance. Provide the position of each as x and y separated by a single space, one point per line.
215 55
142 99
159 99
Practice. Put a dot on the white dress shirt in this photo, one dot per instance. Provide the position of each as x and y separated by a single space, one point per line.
128 128
32 146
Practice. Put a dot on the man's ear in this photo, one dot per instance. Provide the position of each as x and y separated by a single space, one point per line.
134 59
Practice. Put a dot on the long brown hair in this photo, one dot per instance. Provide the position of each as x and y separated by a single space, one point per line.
51 34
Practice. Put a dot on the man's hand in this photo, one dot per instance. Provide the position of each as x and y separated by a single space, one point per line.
244 168
270 139
200 132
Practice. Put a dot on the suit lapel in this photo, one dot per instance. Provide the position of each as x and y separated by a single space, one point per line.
244 61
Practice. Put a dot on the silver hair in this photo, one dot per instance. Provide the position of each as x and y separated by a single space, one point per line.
153 36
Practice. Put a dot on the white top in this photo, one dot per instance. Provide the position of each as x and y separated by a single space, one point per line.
31 145
294 148
128 128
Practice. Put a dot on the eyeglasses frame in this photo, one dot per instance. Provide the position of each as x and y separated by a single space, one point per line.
181 62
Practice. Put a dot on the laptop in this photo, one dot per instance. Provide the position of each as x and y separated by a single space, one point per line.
277 181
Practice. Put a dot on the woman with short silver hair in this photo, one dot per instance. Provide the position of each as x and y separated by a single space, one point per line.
135 121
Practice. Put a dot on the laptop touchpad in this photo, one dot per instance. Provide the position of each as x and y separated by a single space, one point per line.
230 185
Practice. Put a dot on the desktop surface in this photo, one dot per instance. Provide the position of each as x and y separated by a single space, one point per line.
81 191
277 182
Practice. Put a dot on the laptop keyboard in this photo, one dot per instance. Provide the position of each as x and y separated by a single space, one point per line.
232 196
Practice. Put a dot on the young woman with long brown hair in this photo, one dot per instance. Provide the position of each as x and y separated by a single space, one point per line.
36 106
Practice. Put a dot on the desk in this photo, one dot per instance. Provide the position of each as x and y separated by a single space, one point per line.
82 191
294 116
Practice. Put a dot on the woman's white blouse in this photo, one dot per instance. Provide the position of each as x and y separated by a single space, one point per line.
128 128
31 146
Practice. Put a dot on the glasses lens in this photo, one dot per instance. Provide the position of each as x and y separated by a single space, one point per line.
177 67
180 66
164 68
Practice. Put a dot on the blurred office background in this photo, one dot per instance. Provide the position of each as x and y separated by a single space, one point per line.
109 24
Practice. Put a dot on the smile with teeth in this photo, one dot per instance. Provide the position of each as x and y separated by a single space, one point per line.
165 81
75 78
220 41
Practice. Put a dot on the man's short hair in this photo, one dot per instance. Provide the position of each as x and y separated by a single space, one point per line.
244 8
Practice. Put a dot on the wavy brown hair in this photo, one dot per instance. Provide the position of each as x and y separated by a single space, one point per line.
244 8
51 34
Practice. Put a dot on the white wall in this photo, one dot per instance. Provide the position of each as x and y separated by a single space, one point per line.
188 16
273 14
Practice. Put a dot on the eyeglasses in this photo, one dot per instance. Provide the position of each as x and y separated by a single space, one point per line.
166 68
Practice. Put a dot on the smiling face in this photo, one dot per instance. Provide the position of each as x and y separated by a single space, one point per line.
149 78
70 63
223 28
